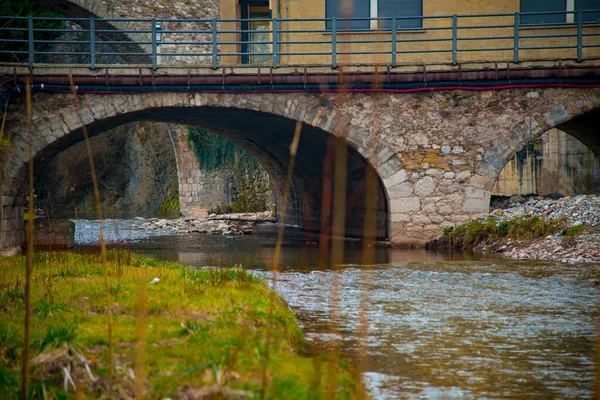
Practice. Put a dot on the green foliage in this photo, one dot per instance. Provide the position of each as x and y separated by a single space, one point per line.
59 334
574 230
24 9
472 233
46 308
170 206
214 152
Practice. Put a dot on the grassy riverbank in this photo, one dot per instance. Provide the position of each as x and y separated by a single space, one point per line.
524 238
192 333
491 231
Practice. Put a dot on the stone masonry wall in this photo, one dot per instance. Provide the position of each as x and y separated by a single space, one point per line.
162 10
201 188
438 154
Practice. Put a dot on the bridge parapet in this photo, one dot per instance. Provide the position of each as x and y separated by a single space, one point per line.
442 39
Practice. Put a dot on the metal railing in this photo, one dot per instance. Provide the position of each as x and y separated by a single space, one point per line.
277 42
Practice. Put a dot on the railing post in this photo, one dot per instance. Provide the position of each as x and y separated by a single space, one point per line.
30 41
154 47
214 43
394 34
454 38
516 38
333 43
579 35
275 42
92 43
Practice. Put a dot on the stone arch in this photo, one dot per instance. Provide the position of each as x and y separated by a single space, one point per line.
260 124
437 154
574 114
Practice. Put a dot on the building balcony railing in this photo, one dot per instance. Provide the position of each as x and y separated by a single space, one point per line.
324 42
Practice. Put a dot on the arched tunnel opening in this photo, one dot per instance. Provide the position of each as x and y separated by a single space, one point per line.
564 161
267 137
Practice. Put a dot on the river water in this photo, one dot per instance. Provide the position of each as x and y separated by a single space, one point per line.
440 326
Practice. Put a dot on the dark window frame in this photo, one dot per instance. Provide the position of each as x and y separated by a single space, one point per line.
553 19
368 28
348 28
588 18
398 27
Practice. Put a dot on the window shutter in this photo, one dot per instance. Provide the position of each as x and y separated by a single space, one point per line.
543 6
359 9
401 8
588 5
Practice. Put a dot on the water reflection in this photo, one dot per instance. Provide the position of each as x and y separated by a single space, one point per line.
440 326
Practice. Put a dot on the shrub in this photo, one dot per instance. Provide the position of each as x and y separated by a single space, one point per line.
472 233
574 230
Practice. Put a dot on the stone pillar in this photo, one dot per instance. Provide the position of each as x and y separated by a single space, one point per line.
188 169
435 188
12 226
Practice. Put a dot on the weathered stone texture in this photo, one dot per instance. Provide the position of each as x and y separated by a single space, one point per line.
437 158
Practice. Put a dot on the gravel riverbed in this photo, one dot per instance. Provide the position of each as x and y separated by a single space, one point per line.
578 210
223 224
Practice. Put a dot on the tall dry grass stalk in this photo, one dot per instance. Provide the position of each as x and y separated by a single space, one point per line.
29 254
370 226
141 333
326 203
4 121
101 234
277 252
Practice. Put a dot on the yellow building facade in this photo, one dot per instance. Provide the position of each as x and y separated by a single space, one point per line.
436 31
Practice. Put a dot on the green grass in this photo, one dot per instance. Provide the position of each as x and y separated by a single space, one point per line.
476 232
202 328
574 230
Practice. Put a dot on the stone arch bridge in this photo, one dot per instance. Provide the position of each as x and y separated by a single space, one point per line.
436 154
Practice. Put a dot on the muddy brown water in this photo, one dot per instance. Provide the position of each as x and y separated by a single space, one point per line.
440 326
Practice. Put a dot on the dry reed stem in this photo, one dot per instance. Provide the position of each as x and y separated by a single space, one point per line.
326 203
368 259
277 252
4 120
29 254
141 333
337 255
101 233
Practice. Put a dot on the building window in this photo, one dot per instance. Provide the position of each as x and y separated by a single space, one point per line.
400 8
588 5
348 9
533 6
374 9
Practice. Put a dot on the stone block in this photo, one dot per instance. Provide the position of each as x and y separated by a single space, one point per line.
404 189
201 213
472 205
475 192
445 210
482 182
405 205
400 217
395 179
434 172
420 219
429 207
425 186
